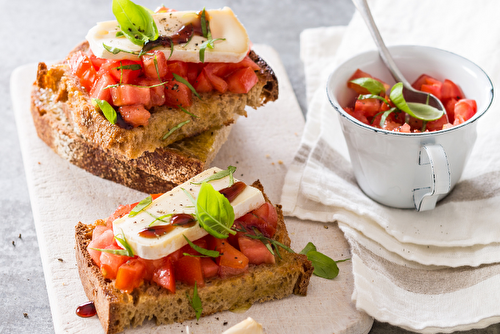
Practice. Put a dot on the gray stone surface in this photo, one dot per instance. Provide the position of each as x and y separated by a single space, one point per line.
34 30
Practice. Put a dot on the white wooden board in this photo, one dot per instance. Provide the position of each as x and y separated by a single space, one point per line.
261 146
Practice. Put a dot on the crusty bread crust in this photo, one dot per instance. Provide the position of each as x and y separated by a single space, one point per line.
119 310
66 121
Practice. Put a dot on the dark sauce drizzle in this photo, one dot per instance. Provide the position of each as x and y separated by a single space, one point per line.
179 220
86 310
181 36
233 191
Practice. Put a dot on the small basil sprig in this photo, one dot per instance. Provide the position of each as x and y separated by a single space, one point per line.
323 265
220 175
421 111
201 250
213 211
268 242
141 206
135 22
370 84
184 81
172 130
106 108
384 114
195 302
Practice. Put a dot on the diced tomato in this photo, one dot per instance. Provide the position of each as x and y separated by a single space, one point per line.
98 230
360 90
177 94
424 79
127 95
82 67
217 82
101 241
202 242
157 92
208 267
449 90
241 81
151 267
130 275
267 211
135 115
434 89
437 124
194 70
149 66
178 67
121 211
359 116
231 261
175 256
250 220
449 105
188 270
126 75
99 90
464 110
111 262
367 107
97 62
202 84
165 276
255 251
155 196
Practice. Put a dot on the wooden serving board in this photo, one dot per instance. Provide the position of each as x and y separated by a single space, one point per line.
260 146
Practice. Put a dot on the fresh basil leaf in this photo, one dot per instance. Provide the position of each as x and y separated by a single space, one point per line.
309 247
115 51
135 22
195 302
141 206
123 241
184 81
370 84
323 265
421 111
219 175
373 96
106 108
203 251
187 112
214 212
385 114
178 126
208 44
133 67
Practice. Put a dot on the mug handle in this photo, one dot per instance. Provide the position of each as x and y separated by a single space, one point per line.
435 156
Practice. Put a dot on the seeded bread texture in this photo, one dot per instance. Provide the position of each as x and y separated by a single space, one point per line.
66 120
119 310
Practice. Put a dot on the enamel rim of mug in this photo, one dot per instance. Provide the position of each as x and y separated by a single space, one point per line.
342 113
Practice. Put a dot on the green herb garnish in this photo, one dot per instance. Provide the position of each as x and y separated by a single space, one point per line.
161 218
309 247
323 265
141 206
119 34
195 302
124 252
133 67
370 84
184 81
201 250
135 22
373 96
268 242
421 111
115 51
213 211
220 175
187 112
178 126
208 44
106 108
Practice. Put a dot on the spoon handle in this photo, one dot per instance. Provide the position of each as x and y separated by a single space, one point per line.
364 10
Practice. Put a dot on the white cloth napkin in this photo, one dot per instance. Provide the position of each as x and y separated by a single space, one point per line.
423 271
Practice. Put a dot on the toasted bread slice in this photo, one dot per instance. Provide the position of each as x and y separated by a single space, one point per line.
138 158
119 310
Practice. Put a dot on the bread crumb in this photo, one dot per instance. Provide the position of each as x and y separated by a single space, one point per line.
60 260
13 243
326 227
280 162
39 163
272 163
268 156
25 315
19 236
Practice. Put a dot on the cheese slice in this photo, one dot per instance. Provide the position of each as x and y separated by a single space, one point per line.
223 24
175 202
247 326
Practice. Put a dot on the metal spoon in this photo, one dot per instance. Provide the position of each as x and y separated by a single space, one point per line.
410 94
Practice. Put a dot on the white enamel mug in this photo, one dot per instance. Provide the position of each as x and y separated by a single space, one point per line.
410 170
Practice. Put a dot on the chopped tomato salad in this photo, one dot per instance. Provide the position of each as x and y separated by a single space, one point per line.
135 87
377 110
237 252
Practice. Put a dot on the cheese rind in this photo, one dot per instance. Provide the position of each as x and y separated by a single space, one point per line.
175 202
223 24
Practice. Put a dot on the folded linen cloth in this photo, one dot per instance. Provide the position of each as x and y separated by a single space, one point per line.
402 244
